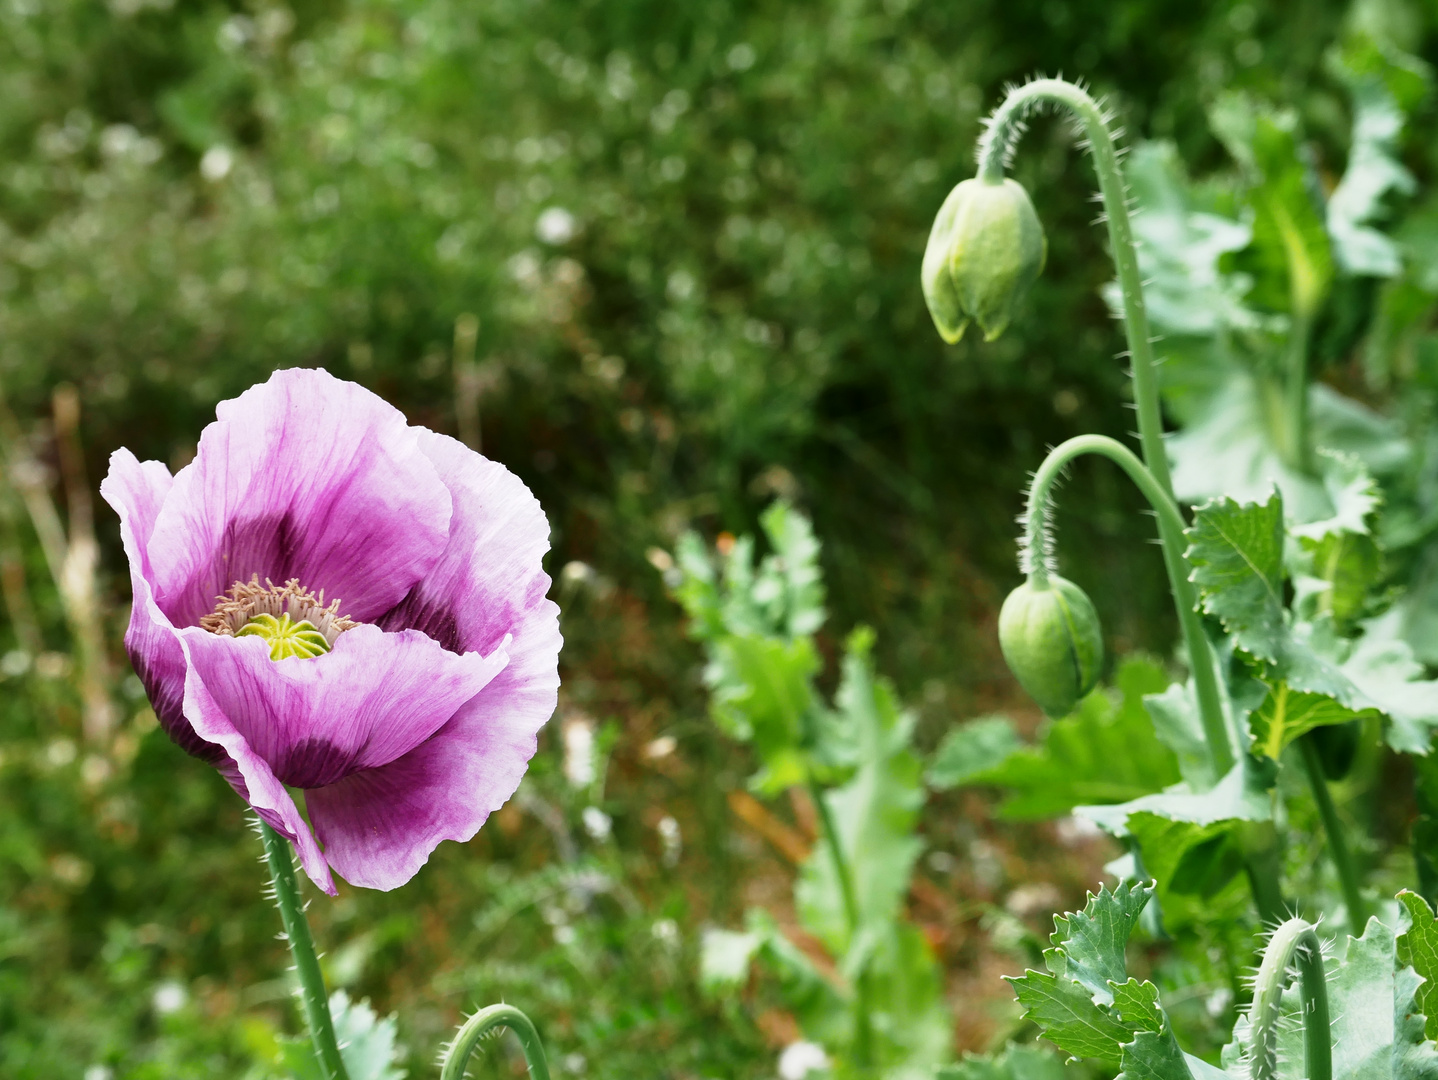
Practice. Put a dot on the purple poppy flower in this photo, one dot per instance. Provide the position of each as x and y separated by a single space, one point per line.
406 706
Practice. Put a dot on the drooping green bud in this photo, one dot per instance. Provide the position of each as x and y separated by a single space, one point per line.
286 637
985 250
1052 641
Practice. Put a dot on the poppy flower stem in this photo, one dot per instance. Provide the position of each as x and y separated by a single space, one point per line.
1200 653
456 1055
996 147
1261 863
302 946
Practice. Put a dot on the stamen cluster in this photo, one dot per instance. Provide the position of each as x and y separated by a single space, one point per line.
248 600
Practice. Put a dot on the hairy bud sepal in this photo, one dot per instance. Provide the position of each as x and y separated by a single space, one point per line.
985 250
1052 641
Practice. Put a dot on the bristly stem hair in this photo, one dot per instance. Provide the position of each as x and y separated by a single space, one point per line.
302 948
1294 944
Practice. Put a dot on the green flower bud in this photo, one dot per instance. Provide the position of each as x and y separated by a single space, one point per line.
1052 642
985 250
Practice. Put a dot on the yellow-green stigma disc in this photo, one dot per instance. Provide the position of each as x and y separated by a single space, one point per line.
287 638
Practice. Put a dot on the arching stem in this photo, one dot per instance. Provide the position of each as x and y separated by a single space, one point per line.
1261 854
1200 653
456 1056
995 148
1004 129
1294 940
302 947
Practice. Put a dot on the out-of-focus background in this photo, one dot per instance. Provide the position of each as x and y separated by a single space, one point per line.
662 261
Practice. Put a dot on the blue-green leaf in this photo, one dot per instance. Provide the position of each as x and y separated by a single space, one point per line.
1285 714
1372 75
367 1044
1087 1005
971 749
1104 752
1237 555
1015 1062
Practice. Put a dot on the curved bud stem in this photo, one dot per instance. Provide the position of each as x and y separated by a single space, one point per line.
457 1054
995 148
1295 941
302 947
1200 653
1262 859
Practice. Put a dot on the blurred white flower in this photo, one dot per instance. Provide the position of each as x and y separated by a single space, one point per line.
60 753
741 58
801 1058
169 997
124 141
671 839
15 662
579 763
555 226
216 163
597 823
681 285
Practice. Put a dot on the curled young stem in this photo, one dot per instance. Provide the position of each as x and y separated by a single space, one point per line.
1294 943
457 1054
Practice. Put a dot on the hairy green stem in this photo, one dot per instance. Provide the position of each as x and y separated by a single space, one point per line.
994 149
302 947
1294 941
1004 129
1261 856
1185 599
456 1056
863 1007
1337 842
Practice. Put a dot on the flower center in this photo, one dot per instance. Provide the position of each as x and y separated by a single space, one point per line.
286 638
293 620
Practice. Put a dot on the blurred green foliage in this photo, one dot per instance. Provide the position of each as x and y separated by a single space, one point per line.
690 236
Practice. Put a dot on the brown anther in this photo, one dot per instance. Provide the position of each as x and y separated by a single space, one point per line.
245 600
